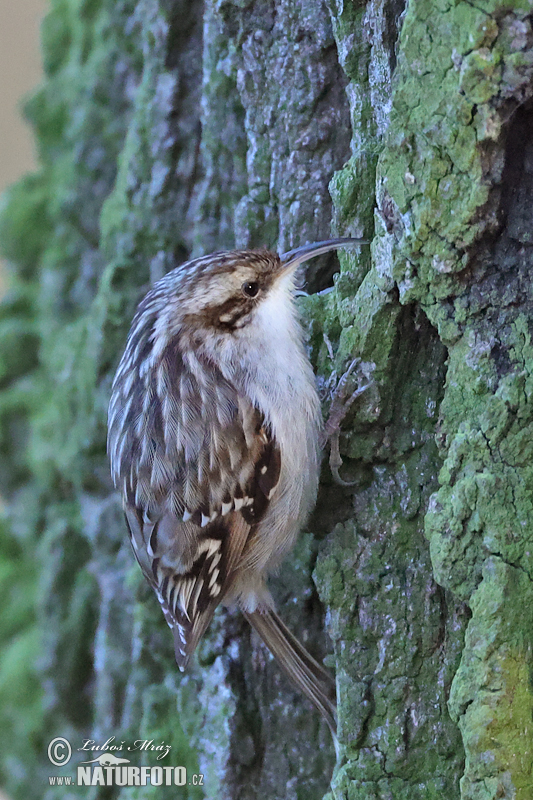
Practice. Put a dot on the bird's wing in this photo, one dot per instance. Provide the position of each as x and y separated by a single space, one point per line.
197 466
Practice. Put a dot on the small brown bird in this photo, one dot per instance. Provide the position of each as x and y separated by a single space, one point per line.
214 425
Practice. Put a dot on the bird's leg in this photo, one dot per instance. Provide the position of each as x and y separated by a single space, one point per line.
329 346
341 402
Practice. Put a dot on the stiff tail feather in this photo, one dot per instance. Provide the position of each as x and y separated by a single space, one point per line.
300 667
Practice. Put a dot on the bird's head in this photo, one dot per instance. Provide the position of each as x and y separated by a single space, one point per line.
223 291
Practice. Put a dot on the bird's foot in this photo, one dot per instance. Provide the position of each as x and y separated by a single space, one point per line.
342 398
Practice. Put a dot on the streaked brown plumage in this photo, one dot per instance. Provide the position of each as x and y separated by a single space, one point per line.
213 441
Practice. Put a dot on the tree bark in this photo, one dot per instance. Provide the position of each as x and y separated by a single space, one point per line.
169 129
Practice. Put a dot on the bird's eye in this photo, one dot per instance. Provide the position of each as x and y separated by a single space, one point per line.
250 289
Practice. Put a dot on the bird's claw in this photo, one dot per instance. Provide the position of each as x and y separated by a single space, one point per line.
340 405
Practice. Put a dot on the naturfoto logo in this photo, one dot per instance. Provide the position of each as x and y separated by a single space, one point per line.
108 769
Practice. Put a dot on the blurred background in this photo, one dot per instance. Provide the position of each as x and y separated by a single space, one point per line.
20 72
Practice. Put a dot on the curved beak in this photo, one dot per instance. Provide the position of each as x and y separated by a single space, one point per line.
292 258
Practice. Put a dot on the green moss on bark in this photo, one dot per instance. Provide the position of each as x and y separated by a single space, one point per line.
450 188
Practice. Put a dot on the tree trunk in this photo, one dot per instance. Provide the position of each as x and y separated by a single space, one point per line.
169 129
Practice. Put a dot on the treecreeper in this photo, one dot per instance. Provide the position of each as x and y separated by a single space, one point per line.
213 438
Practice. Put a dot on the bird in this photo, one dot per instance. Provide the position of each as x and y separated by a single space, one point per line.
213 438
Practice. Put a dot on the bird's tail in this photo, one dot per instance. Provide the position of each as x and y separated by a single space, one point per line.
300 667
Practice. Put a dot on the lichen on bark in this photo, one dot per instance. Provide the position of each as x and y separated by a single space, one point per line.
451 188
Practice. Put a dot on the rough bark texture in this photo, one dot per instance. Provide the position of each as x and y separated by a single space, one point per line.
169 128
